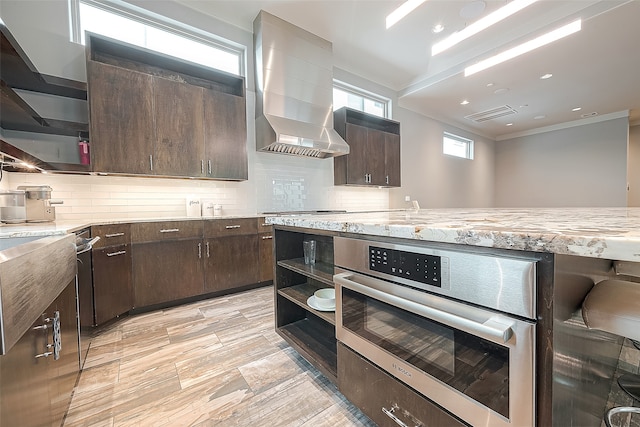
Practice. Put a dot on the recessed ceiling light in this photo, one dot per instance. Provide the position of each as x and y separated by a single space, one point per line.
584 116
490 84
464 102
501 90
403 10
525 47
481 24
546 76
509 124
541 116
438 28
577 109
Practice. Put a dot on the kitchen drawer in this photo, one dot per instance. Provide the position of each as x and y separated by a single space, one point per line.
263 227
165 230
355 377
230 227
111 235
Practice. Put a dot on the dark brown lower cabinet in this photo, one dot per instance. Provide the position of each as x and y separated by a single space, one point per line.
35 390
167 271
230 262
356 377
112 287
265 252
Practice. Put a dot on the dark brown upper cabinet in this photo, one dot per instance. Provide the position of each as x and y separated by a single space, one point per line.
153 114
374 157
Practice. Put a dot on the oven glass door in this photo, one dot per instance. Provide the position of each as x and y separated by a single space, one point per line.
470 364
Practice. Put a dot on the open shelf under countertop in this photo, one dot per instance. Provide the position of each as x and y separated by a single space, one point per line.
320 271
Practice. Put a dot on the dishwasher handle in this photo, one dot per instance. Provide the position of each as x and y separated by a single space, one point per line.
493 327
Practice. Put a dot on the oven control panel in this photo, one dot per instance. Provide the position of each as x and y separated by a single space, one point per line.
418 267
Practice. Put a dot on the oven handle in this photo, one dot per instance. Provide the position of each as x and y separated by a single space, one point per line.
494 328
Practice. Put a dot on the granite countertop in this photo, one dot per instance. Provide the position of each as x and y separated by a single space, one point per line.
610 233
37 229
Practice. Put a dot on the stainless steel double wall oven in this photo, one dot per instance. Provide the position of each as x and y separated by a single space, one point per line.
458 327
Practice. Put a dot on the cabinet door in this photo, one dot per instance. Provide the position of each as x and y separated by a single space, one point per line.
375 157
357 166
121 119
64 371
231 262
167 271
113 293
225 135
179 149
265 242
392 159
24 381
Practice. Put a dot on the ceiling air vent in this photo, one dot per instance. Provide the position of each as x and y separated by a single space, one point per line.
494 113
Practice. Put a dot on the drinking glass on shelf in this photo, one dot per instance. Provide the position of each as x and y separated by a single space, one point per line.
309 247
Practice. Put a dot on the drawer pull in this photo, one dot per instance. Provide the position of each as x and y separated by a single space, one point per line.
170 230
113 235
208 253
230 227
117 253
199 250
209 167
264 224
267 237
45 354
389 413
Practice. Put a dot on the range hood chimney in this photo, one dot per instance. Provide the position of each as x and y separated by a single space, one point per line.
294 90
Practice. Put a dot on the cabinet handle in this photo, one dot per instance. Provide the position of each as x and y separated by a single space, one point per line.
199 250
209 166
267 237
57 337
151 161
202 167
208 254
45 354
387 179
389 413
117 253
264 224
230 227
170 230
114 235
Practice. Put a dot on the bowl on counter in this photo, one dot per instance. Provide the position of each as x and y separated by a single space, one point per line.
325 298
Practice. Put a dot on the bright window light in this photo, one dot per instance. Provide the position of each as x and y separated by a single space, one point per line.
525 47
454 145
403 10
480 25
348 96
142 32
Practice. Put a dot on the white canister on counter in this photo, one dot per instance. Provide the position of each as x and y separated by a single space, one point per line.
208 208
193 206
217 210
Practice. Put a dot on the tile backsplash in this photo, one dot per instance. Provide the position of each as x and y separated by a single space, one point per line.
273 188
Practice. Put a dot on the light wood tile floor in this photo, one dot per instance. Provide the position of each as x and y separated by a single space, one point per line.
216 362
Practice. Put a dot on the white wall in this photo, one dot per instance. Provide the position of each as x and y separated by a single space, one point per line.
574 167
633 168
434 179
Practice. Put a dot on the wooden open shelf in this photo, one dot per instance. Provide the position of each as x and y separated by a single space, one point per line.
313 343
320 271
300 293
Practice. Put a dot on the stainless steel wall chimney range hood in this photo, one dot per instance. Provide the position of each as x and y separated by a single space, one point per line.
294 89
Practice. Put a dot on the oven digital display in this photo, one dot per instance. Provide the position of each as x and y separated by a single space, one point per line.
409 265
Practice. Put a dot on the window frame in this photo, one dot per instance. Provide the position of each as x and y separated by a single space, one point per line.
164 24
354 90
469 155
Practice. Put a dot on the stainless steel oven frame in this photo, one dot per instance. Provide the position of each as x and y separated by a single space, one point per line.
508 283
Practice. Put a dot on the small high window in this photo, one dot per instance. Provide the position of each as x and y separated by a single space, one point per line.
124 25
454 145
349 96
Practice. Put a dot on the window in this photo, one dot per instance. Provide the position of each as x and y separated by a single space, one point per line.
349 96
454 145
124 25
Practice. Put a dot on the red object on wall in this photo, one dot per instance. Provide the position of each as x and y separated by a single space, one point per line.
85 158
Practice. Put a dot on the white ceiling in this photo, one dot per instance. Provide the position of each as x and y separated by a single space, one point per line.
597 68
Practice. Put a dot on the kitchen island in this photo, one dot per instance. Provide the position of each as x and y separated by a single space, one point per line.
571 251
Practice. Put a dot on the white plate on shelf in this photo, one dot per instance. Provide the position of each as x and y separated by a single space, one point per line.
311 302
